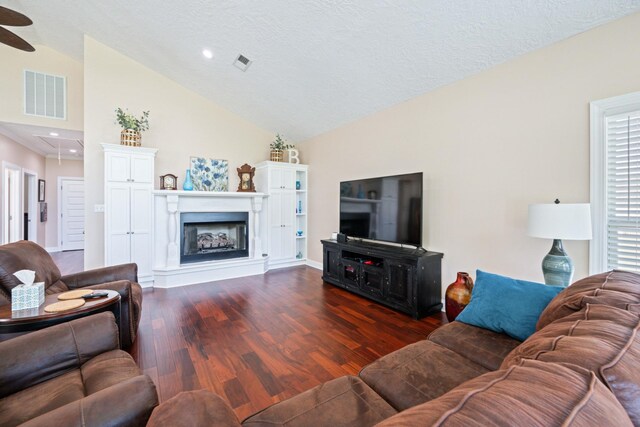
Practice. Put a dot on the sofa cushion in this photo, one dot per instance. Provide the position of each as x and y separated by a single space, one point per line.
615 288
600 338
107 369
41 398
507 305
533 394
482 346
345 401
206 409
417 373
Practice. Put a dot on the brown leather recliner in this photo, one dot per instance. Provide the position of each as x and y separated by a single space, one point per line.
73 374
26 255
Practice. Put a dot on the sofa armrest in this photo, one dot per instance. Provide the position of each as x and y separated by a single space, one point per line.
39 356
102 275
125 404
194 409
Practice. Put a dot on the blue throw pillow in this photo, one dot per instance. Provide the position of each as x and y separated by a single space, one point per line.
507 305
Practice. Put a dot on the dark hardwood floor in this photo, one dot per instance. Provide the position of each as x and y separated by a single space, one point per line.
261 339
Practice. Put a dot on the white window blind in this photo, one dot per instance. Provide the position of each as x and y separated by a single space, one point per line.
623 191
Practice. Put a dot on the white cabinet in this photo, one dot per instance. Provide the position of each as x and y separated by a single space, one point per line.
129 173
286 225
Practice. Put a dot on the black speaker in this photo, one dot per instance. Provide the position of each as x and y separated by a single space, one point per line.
342 238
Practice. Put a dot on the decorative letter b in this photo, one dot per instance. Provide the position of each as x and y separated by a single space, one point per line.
293 156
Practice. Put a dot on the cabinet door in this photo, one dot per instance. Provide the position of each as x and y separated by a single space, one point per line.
399 283
331 263
288 179
372 280
275 242
141 223
142 169
275 179
350 273
118 199
118 167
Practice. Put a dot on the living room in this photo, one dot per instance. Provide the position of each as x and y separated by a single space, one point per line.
493 105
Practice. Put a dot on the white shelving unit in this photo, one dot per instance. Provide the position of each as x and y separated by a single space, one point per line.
286 207
128 214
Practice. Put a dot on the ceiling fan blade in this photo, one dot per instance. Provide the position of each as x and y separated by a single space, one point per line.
13 18
10 39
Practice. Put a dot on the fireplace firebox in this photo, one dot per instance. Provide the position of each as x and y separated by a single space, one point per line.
206 236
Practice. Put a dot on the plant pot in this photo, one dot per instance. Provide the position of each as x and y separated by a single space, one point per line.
276 156
458 295
131 138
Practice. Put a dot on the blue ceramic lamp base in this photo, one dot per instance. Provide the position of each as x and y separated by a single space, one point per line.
557 267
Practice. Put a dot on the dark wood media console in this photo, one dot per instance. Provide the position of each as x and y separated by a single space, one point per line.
407 280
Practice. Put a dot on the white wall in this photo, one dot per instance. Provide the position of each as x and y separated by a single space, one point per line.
488 146
12 152
183 124
44 60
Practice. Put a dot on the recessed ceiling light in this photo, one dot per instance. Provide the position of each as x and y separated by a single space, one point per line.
53 133
71 150
207 53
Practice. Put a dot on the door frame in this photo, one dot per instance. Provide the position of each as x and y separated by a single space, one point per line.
32 183
5 202
59 217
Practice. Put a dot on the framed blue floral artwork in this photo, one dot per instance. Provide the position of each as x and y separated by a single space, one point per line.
209 174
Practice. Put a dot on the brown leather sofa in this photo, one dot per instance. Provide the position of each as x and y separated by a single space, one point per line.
579 368
121 278
73 374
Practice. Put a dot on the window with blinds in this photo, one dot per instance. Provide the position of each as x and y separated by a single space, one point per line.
623 191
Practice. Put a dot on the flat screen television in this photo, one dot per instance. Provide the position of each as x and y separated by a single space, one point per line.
387 208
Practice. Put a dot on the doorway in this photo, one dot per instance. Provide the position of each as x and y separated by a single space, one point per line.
30 205
71 213
11 206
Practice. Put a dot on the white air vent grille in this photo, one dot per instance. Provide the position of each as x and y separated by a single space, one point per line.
45 95
242 62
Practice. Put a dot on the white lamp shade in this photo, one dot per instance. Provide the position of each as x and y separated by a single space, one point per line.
570 221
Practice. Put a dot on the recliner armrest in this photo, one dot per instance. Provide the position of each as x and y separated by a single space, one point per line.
39 356
102 275
125 404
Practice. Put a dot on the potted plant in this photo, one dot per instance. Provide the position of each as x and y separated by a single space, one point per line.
132 127
277 149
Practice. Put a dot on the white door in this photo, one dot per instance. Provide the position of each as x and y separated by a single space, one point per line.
72 214
12 209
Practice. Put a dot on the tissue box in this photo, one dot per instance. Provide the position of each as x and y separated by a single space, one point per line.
27 296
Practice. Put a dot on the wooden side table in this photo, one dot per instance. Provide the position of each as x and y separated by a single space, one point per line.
36 318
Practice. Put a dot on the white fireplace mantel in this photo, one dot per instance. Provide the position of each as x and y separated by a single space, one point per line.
169 204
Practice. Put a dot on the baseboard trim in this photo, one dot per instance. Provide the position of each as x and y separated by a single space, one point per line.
53 249
314 264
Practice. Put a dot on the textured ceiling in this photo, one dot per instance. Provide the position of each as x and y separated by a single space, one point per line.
318 64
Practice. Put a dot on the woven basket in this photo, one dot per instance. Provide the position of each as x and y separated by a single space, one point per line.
276 156
130 137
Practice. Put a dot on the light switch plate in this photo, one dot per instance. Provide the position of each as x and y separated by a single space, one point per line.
98 208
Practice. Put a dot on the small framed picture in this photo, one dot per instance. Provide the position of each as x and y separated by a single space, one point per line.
41 189
43 212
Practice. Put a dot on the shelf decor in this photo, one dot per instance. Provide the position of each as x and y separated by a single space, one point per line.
209 174
246 173
132 127
277 149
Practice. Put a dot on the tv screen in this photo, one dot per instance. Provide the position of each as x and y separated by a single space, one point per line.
387 208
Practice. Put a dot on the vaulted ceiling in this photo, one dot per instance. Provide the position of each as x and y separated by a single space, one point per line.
317 64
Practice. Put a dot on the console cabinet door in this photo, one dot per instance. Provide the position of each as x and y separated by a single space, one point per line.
399 284
331 263
372 280
350 273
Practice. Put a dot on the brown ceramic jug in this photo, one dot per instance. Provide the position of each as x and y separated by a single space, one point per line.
458 295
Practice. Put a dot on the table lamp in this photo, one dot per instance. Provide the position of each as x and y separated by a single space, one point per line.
569 221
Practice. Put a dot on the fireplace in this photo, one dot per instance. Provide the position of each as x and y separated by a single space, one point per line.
206 236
